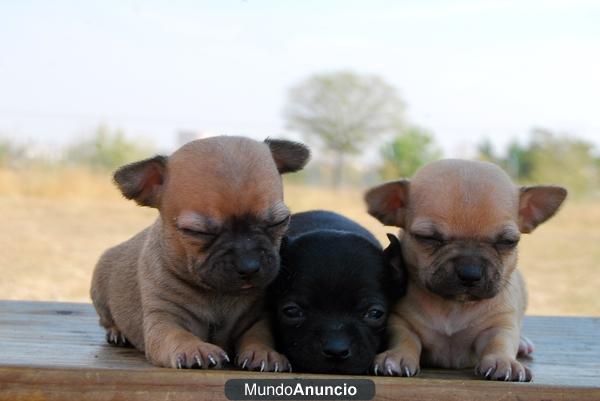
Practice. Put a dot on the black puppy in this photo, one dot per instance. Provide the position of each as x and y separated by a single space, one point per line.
331 299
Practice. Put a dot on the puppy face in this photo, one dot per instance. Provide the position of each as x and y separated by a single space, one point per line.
330 302
221 208
462 222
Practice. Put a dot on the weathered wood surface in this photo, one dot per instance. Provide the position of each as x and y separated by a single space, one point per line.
57 351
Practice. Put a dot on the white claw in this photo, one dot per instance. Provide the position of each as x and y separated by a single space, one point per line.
507 376
226 357
389 371
276 367
262 366
521 376
212 360
407 371
376 369
244 363
198 360
489 371
178 364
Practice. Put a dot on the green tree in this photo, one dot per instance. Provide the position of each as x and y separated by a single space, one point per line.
564 160
341 111
516 162
107 150
486 151
10 153
550 158
407 152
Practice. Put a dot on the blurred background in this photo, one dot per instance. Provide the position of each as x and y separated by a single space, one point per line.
376 89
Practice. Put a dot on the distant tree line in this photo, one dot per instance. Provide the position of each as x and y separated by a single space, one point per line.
549 157
103 149
341 114
107 149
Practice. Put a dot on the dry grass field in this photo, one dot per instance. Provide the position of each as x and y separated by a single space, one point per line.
55 224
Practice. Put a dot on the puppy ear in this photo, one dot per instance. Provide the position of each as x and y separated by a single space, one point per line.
142 181
387 202
537 204
396 277
289 156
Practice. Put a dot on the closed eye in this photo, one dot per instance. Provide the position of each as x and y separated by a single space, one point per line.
280 222
196 233
507 242
429 239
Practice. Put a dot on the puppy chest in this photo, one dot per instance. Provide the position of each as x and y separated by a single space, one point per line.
448 343
448 351
228 321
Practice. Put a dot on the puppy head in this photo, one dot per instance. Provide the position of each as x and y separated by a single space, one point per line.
462 222
330 302
221 207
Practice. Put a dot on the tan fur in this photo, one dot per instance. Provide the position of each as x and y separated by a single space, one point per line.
142 289
470 203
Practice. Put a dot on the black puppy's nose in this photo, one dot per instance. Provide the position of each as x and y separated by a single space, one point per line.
469 274
248 266
336 348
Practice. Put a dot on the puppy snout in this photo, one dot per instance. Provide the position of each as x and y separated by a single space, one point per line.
247 267
470 274
336 348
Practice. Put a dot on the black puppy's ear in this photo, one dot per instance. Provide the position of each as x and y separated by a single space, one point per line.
396 274
387 202
142 181
289 156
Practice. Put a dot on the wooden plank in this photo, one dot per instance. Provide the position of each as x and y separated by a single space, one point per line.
57 351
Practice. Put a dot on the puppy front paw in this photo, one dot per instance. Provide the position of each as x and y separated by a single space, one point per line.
198 355
526 346
395 363
115 337
263 359
492 367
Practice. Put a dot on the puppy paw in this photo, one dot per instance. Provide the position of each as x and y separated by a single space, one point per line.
115 337
395 363
198 355
264 360
493 367
525 346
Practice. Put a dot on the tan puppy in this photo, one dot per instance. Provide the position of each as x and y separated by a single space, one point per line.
465 301
187 288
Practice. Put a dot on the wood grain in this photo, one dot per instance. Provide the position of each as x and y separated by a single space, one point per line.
57 351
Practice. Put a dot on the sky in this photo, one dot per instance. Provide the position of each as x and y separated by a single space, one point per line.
466 69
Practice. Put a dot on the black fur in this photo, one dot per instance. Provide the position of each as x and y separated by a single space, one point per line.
335 281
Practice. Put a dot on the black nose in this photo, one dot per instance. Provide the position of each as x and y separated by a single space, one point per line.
248 266
469 274
336 348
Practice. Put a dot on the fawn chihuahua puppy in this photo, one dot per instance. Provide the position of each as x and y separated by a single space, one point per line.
186 289
465 301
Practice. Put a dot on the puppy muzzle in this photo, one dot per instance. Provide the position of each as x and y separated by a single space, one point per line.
465 278
232 272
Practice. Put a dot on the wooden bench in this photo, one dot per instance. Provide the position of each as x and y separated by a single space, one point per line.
57 351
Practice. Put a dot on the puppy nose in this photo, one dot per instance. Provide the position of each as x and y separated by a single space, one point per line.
248 266
336 348
469 274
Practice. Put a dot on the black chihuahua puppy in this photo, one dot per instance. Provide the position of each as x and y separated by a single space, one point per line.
330 302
